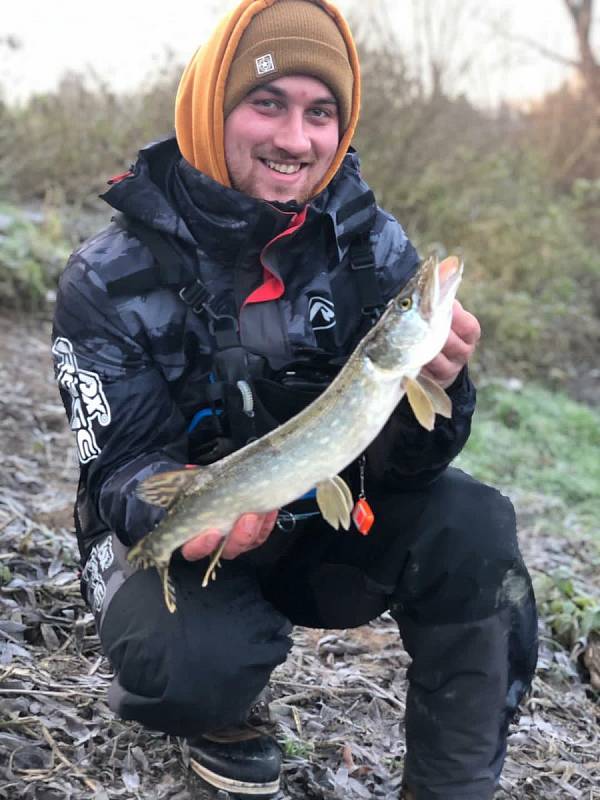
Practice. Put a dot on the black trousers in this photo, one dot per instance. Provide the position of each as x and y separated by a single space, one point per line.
445 562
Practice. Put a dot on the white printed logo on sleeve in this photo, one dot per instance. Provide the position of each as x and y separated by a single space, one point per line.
100 559
88 400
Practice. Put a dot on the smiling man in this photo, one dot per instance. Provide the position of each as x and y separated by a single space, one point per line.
247 260
281 139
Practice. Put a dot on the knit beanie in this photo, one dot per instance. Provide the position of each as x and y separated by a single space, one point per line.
258 42
291 37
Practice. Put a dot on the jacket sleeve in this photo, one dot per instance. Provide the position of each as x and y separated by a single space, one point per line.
118 403
405 456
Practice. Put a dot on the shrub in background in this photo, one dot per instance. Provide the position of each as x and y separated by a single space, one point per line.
33 251
458 179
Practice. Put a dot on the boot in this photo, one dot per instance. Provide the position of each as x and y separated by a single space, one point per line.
244 761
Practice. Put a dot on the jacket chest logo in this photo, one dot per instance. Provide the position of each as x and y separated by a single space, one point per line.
321 313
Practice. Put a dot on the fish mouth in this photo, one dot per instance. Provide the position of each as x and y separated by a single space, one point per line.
439 284
449 273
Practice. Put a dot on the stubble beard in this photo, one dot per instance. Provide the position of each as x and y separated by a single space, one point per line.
249 188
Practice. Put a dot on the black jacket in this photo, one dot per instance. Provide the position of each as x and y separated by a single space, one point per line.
133 361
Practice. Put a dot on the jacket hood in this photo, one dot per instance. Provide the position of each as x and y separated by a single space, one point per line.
199 116
166 193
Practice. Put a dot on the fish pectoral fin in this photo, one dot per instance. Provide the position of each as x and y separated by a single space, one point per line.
335 502
442 404
345 489
168 587
163 489
420 403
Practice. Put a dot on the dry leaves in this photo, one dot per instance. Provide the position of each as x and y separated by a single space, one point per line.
339 699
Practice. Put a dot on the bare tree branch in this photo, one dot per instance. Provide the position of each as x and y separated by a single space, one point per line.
537 46
581 12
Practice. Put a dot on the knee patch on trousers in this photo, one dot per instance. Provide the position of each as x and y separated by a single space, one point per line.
465 563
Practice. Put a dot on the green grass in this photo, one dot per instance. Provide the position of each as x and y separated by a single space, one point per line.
295 748
538 441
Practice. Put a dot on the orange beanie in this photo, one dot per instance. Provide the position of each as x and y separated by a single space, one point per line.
217 78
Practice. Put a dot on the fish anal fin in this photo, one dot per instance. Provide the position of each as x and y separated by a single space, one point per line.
420 403
165 487
215 562
442 404
333 502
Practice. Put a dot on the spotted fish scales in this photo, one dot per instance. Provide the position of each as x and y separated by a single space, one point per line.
312 448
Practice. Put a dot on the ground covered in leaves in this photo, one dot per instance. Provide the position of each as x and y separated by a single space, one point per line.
339 699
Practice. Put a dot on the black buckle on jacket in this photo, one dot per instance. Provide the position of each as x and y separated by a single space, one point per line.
224 328
197 296
361 256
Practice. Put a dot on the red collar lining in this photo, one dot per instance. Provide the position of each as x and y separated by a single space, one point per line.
272 286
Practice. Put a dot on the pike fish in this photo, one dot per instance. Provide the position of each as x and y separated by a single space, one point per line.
311 448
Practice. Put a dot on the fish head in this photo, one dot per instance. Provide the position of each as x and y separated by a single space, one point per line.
415 325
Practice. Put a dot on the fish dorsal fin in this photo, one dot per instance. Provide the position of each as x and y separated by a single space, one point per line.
420 403
163 489
335 502
442 404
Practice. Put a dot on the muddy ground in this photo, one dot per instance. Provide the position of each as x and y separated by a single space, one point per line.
339 699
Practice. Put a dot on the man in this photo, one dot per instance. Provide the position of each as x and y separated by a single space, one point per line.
247 260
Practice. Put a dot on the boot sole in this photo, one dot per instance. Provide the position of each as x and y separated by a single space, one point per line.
233 786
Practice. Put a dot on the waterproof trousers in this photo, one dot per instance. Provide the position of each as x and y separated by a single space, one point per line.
443 560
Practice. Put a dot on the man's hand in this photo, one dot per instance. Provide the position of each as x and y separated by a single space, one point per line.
460 345
250 531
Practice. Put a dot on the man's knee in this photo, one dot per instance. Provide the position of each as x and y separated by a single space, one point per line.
198 669
465 562
477 515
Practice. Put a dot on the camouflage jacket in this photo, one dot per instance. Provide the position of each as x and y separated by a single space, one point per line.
131 366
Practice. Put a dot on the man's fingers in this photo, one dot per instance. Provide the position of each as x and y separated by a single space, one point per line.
242 536
440 369
267 526
202 545
249 531
457 349
465 325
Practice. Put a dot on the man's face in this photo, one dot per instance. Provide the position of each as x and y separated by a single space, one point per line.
281 139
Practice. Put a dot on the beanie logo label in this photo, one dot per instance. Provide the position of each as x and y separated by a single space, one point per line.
265 64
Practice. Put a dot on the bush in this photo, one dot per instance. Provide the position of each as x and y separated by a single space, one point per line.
457 179
33 252
74 139
460 180
530 275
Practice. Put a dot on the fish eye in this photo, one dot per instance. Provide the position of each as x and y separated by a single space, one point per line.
405 303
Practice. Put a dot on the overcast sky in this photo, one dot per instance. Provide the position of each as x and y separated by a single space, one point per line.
124 40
